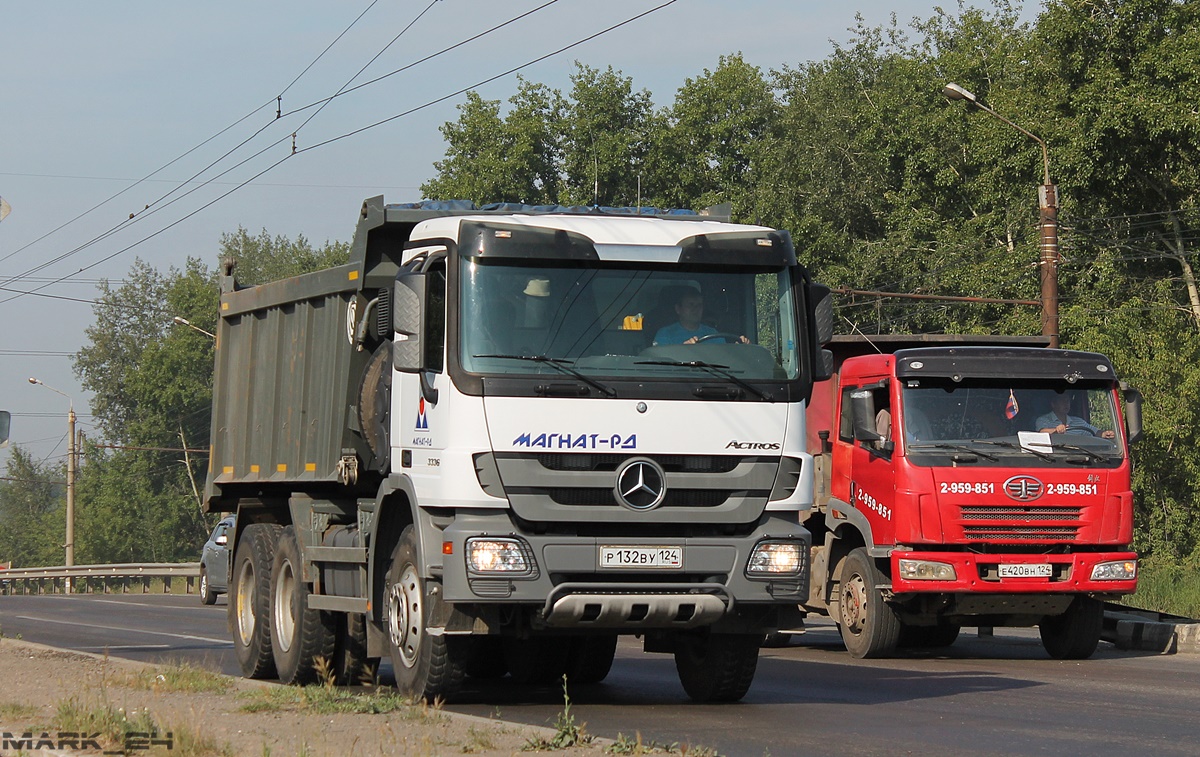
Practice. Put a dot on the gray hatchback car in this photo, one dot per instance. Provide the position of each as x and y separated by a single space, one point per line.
214 561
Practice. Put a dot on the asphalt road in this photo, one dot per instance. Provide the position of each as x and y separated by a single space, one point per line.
983 696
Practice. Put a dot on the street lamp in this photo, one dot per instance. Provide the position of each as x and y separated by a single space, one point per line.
190 325
1048 207
70 540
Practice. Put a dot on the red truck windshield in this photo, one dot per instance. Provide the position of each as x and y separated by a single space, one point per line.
1055 422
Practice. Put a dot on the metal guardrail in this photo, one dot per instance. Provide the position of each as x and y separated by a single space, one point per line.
108 579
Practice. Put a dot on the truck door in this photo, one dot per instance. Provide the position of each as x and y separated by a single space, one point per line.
420 400
872 484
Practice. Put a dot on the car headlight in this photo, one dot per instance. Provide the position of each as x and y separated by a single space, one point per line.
926 570
775 558
1118 570
493 556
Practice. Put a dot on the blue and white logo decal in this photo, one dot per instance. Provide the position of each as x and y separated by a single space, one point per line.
576 441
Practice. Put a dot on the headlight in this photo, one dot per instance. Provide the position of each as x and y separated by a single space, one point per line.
926 570
775 558
1119 570
498 556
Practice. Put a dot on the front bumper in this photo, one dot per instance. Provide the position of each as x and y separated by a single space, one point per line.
567 588
979 573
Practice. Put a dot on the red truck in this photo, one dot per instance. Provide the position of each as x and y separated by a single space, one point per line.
970 481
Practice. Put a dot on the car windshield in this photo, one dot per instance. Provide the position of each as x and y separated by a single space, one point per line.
643 322
1002 417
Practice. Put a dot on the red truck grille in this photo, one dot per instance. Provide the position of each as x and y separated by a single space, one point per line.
1020 523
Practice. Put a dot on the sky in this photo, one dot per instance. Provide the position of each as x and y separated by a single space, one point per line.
107 108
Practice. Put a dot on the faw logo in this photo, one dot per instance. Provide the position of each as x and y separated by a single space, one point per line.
735 444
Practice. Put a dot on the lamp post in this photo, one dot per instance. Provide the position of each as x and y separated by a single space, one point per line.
70 540
190 325
1048 218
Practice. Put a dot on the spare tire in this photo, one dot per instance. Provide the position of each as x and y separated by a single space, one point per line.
374 403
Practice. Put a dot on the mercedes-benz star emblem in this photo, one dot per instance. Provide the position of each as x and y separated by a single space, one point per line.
641 484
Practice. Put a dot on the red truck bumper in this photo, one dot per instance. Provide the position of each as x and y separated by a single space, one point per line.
1010 574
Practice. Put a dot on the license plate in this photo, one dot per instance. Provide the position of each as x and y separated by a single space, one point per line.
668 558
1026 570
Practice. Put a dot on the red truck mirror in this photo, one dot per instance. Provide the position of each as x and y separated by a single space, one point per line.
1133 412
5 423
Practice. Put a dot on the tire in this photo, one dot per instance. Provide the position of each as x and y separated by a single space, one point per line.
487 661
351 665
426 667
1075 634
207 595
716 667
590 658
539 660
929 637
250 599
299 636
869 626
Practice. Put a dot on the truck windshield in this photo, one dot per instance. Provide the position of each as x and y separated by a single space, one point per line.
627 321
996 416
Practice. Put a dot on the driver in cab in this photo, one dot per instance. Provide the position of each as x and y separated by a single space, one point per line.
689 329
1059 421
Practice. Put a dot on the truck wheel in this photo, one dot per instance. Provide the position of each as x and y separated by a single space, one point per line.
538 660
351 666
250 599
487 661
930 637
426 666
1075 634
591 657
716 667
207 595
868 624
299 635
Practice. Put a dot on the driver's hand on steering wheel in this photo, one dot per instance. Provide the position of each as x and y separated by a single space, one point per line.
695 340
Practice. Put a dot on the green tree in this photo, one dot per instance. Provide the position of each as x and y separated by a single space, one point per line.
709 152
493 159
32 498
265 258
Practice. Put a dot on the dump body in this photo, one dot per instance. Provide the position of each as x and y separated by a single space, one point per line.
942 461
479 438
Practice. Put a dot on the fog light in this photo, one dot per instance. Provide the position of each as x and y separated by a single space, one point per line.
1118 570
775 558
926 570
494 556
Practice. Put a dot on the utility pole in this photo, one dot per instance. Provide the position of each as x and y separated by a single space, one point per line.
1047 219
72 451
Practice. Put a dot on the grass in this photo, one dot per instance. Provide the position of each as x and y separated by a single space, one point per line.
1168 585
122 730
177 678
635 746
16 711
566 732
326 700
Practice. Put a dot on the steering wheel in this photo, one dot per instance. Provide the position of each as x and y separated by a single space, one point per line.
1078 429
728 337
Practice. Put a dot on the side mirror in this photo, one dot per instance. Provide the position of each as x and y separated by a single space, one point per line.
408 320
1133 412
820 303
5 425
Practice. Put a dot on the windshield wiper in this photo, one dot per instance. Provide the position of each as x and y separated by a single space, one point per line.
959 447
1044 455
721 371
563 365
1084 450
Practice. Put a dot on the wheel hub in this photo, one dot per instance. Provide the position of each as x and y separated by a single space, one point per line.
405 615
854 603
245 605
284 606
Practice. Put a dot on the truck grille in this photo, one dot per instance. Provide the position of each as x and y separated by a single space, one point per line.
579 487
1020 522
